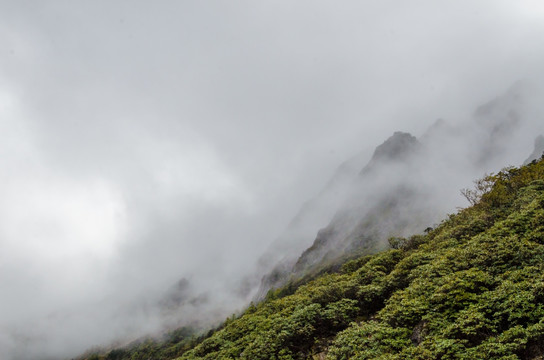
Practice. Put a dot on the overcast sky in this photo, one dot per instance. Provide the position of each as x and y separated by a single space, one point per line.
142 142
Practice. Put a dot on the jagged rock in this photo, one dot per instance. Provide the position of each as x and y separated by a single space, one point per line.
397 148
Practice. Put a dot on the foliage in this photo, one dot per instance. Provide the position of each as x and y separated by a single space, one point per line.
471 288
169 346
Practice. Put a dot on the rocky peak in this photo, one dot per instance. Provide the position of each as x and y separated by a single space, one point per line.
397 147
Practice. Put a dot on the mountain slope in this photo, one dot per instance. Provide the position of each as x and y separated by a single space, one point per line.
471 288
283 253
407 186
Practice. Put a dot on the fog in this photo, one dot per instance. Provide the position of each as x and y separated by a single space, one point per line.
145 144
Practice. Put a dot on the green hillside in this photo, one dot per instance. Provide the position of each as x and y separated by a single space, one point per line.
473 288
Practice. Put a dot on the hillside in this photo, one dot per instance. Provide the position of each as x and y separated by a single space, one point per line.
407 185
472 288
321 294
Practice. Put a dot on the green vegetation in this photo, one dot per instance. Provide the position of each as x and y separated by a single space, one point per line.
169 346
473 288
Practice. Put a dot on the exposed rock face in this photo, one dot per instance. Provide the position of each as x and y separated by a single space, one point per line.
538 151
398 147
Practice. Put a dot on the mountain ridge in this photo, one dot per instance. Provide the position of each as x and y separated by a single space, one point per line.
470 288
405 188
385 185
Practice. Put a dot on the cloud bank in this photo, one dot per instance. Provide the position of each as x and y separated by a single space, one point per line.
142 144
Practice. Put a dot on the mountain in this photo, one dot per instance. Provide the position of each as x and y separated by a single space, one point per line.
359 224
406 187
473 288
348 265
283 253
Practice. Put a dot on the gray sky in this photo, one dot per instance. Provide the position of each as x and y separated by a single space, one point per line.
143 142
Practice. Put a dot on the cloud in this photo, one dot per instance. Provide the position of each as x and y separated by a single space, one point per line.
141 144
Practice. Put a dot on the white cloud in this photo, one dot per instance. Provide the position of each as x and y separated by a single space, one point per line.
140 144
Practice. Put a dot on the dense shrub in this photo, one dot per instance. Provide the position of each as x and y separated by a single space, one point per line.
471 288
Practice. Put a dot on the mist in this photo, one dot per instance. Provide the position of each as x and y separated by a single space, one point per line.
151 152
